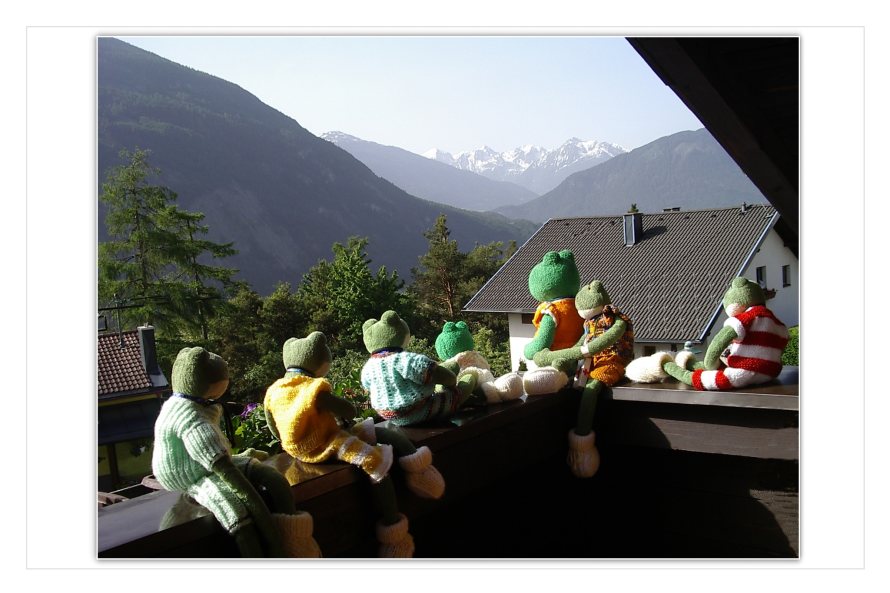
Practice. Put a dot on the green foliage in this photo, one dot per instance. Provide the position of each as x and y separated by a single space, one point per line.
338 296
790 355
346 377
422 346
495 351
249 332
151 262
252 432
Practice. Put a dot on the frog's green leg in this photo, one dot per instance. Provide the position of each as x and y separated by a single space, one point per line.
587 408
678 372
392 527
583 457
248 540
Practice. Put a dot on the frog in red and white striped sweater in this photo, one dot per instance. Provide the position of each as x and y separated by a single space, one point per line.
753 334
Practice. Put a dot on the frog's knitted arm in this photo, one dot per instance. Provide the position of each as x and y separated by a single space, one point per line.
451 365
270 421
720 342
262 518
543 337
337 406
580 350
440 375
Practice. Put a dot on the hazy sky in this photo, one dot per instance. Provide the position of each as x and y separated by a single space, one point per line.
453 93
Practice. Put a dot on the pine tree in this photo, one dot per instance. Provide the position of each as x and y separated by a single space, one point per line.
152 262
447 279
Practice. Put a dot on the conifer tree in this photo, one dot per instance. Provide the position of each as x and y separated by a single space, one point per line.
447 279
152 263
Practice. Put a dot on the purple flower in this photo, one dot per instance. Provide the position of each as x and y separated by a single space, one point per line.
248 409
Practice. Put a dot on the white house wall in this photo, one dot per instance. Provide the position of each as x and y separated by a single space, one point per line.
773 255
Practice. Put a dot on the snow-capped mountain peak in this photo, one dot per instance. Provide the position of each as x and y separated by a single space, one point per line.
534 167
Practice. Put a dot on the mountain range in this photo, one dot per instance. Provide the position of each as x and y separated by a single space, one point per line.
688 169
429 179
280 193
533 167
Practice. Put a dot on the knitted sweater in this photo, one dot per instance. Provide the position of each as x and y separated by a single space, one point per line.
188 441
623 349
398 382
755 356
569 325
307 433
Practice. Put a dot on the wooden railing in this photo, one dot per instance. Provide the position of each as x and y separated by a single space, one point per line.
504 470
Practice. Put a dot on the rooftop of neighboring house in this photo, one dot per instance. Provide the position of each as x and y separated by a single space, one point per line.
669 281
127 364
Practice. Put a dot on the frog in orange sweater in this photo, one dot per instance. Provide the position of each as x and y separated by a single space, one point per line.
554 281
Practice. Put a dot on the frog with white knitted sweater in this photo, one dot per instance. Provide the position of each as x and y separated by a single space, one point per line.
191 455
455 347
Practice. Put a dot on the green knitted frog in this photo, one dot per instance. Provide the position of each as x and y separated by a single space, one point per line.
754 337
408 388
191 455
310 420
606 347
553 282
455 348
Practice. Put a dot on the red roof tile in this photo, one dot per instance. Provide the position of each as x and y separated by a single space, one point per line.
120 368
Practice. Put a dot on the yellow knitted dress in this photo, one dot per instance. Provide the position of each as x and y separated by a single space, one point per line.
313 435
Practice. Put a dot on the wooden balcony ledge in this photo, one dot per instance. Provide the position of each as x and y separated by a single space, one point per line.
505 464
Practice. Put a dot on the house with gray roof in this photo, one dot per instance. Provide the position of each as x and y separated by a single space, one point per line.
667 271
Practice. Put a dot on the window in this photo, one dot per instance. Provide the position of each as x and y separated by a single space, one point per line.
786 275
527 318
648 350
761 276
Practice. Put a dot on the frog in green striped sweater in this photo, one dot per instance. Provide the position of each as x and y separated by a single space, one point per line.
191 455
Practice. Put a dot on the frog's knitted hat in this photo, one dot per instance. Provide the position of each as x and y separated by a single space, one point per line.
454 339
743 291
389 332
196 369
310 353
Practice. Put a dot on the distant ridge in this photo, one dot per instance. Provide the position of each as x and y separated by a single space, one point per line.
429 179
283 195
689 170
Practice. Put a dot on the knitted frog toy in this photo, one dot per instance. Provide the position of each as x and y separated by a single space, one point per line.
303 412
408 388
191 455
755 339
606 347
455 347
554 282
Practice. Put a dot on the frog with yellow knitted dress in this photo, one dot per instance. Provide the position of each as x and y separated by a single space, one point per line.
315 426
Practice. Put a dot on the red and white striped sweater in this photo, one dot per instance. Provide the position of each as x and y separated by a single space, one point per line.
755 356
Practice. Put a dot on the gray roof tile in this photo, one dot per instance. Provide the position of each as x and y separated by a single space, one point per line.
670 283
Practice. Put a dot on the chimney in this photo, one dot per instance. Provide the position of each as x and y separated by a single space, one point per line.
149 354
633 228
